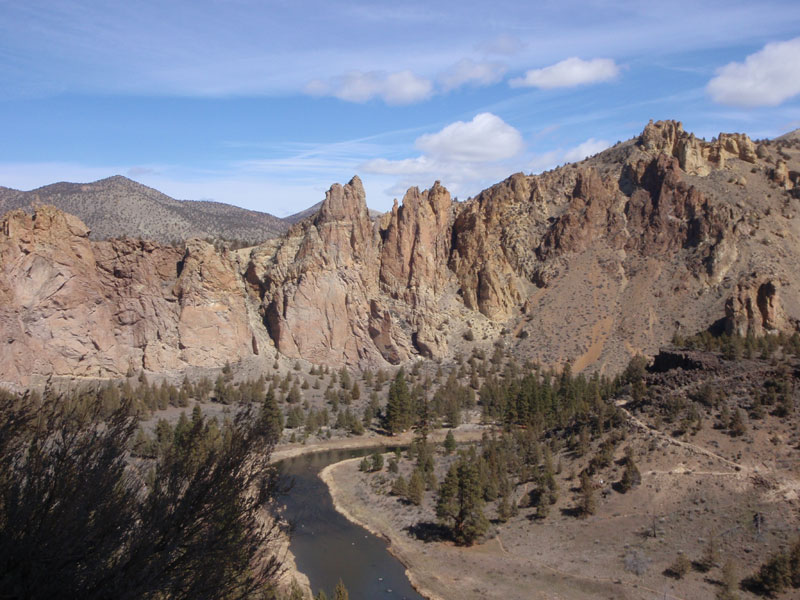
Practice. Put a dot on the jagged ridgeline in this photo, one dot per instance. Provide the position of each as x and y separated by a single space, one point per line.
590 264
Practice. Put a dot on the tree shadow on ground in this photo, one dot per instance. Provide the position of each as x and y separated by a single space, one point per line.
572 511
428 531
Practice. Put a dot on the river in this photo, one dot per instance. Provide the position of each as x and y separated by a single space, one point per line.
327 546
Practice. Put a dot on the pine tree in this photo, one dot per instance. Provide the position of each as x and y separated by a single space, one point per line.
271 417
588 504
794 563
340 593
398 406
449 442
710 554
377 462
295 591
416 487
681 566
460 502
774 576
399 487
729 583
631 476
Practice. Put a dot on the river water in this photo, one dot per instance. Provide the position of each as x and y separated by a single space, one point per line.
327 546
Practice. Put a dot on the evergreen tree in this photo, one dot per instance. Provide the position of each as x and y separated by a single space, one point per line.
681 566
377 462
398 406
587 503
340 593
631 476
449 442
400 487
271 416
774 576
295 591
416 487
729 583
460 502
710 556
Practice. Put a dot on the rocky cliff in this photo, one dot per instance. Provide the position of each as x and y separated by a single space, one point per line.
589 264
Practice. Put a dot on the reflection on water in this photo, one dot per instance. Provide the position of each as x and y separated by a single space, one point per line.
327 546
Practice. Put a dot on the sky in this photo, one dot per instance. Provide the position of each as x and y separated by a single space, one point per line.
265 104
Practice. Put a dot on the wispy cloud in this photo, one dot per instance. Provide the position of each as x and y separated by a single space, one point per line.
402 87
553 158
768 77
570 72
405 87
468 72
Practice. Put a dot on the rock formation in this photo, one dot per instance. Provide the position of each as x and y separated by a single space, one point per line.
589 263
72 307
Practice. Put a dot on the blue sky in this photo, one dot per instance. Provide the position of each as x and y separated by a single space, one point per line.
265 104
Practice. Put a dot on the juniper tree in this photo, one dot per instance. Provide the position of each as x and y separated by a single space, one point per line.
77 520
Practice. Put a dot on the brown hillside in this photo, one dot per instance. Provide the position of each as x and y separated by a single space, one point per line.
118 207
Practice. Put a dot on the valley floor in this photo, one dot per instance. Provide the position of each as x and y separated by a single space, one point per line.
688 494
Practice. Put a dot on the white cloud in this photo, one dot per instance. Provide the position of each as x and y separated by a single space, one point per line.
553 158
461 155
766 78
486 138
467 71
406 88
402 87
570 72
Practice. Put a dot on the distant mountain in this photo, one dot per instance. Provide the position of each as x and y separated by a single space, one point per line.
299 216
119 207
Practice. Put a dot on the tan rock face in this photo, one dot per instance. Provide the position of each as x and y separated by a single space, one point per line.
755 309
331 284
320 281
588 264
696 157
72 307
416 244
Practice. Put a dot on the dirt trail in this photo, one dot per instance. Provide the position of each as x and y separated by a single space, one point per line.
692 448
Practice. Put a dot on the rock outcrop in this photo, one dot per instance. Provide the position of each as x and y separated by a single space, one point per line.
75 308
696 157
589 264
755 309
